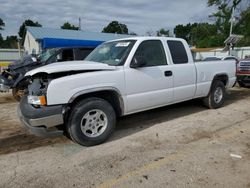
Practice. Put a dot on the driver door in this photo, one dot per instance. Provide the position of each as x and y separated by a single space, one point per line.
151 85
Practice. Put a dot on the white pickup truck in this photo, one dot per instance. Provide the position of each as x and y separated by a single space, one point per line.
83 99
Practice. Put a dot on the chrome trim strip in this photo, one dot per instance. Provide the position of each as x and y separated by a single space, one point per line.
39 131
50 121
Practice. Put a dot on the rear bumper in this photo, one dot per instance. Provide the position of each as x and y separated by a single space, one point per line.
41 121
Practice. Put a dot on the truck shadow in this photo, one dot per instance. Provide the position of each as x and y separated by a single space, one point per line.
235 94
20 140
25 141
6 99
137 122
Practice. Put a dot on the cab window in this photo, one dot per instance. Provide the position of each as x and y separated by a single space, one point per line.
178 52
153 53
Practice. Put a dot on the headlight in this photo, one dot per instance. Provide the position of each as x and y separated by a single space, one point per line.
37 100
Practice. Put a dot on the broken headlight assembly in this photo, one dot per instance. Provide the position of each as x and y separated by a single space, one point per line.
37 91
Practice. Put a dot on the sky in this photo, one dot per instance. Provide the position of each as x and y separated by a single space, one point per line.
140 16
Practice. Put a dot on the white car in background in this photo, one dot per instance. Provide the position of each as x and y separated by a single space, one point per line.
216 58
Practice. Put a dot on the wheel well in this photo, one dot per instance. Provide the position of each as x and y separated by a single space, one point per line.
221 77
111 96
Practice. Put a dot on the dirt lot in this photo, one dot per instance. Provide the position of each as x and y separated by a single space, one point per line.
183 145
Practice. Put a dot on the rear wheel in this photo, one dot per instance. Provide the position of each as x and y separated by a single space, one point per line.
91 121
216 96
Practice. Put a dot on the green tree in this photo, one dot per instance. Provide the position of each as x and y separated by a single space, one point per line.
69 26
183 31
22 29
9 42
2 24
223 14
200 32
201 35
133 33
115 27
163 32
243 27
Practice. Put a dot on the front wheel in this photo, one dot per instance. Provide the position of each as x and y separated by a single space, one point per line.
91 121
216 96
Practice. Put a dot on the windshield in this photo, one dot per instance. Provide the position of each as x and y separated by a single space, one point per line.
44 56
111 53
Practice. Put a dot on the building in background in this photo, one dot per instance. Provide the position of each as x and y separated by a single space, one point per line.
8 56
40 38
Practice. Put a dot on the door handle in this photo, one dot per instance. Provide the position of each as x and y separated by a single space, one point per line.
168 73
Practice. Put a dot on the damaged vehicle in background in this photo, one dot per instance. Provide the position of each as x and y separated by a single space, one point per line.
13 76
215 58
243 72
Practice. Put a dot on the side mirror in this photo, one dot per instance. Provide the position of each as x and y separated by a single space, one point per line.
138 61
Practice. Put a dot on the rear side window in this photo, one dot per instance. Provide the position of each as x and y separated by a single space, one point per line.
230 58
82 53
178 52
67 55
153 52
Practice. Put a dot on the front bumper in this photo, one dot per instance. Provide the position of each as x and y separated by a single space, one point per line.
244 78
41 121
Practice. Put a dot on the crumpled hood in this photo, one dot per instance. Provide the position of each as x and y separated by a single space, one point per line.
25 62
70 66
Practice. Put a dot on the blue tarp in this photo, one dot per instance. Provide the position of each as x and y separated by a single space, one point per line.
55 42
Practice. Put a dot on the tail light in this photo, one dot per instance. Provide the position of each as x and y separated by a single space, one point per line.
237 67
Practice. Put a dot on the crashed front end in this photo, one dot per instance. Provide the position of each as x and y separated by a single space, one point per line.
34 113
50 88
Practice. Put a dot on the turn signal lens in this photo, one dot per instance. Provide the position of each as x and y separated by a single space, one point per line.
42 100
37 100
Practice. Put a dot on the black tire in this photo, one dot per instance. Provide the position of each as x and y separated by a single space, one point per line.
213 102
76 119
19 91
241 84
15 92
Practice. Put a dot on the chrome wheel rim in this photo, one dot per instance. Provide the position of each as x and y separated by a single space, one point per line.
218 94
94 123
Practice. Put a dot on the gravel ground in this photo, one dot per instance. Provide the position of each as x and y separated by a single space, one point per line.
183 145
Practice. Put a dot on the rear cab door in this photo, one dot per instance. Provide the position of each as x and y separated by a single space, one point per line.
183 68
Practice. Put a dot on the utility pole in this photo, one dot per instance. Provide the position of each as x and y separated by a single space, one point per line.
232 22
231 31
19 48
79 26
232 40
